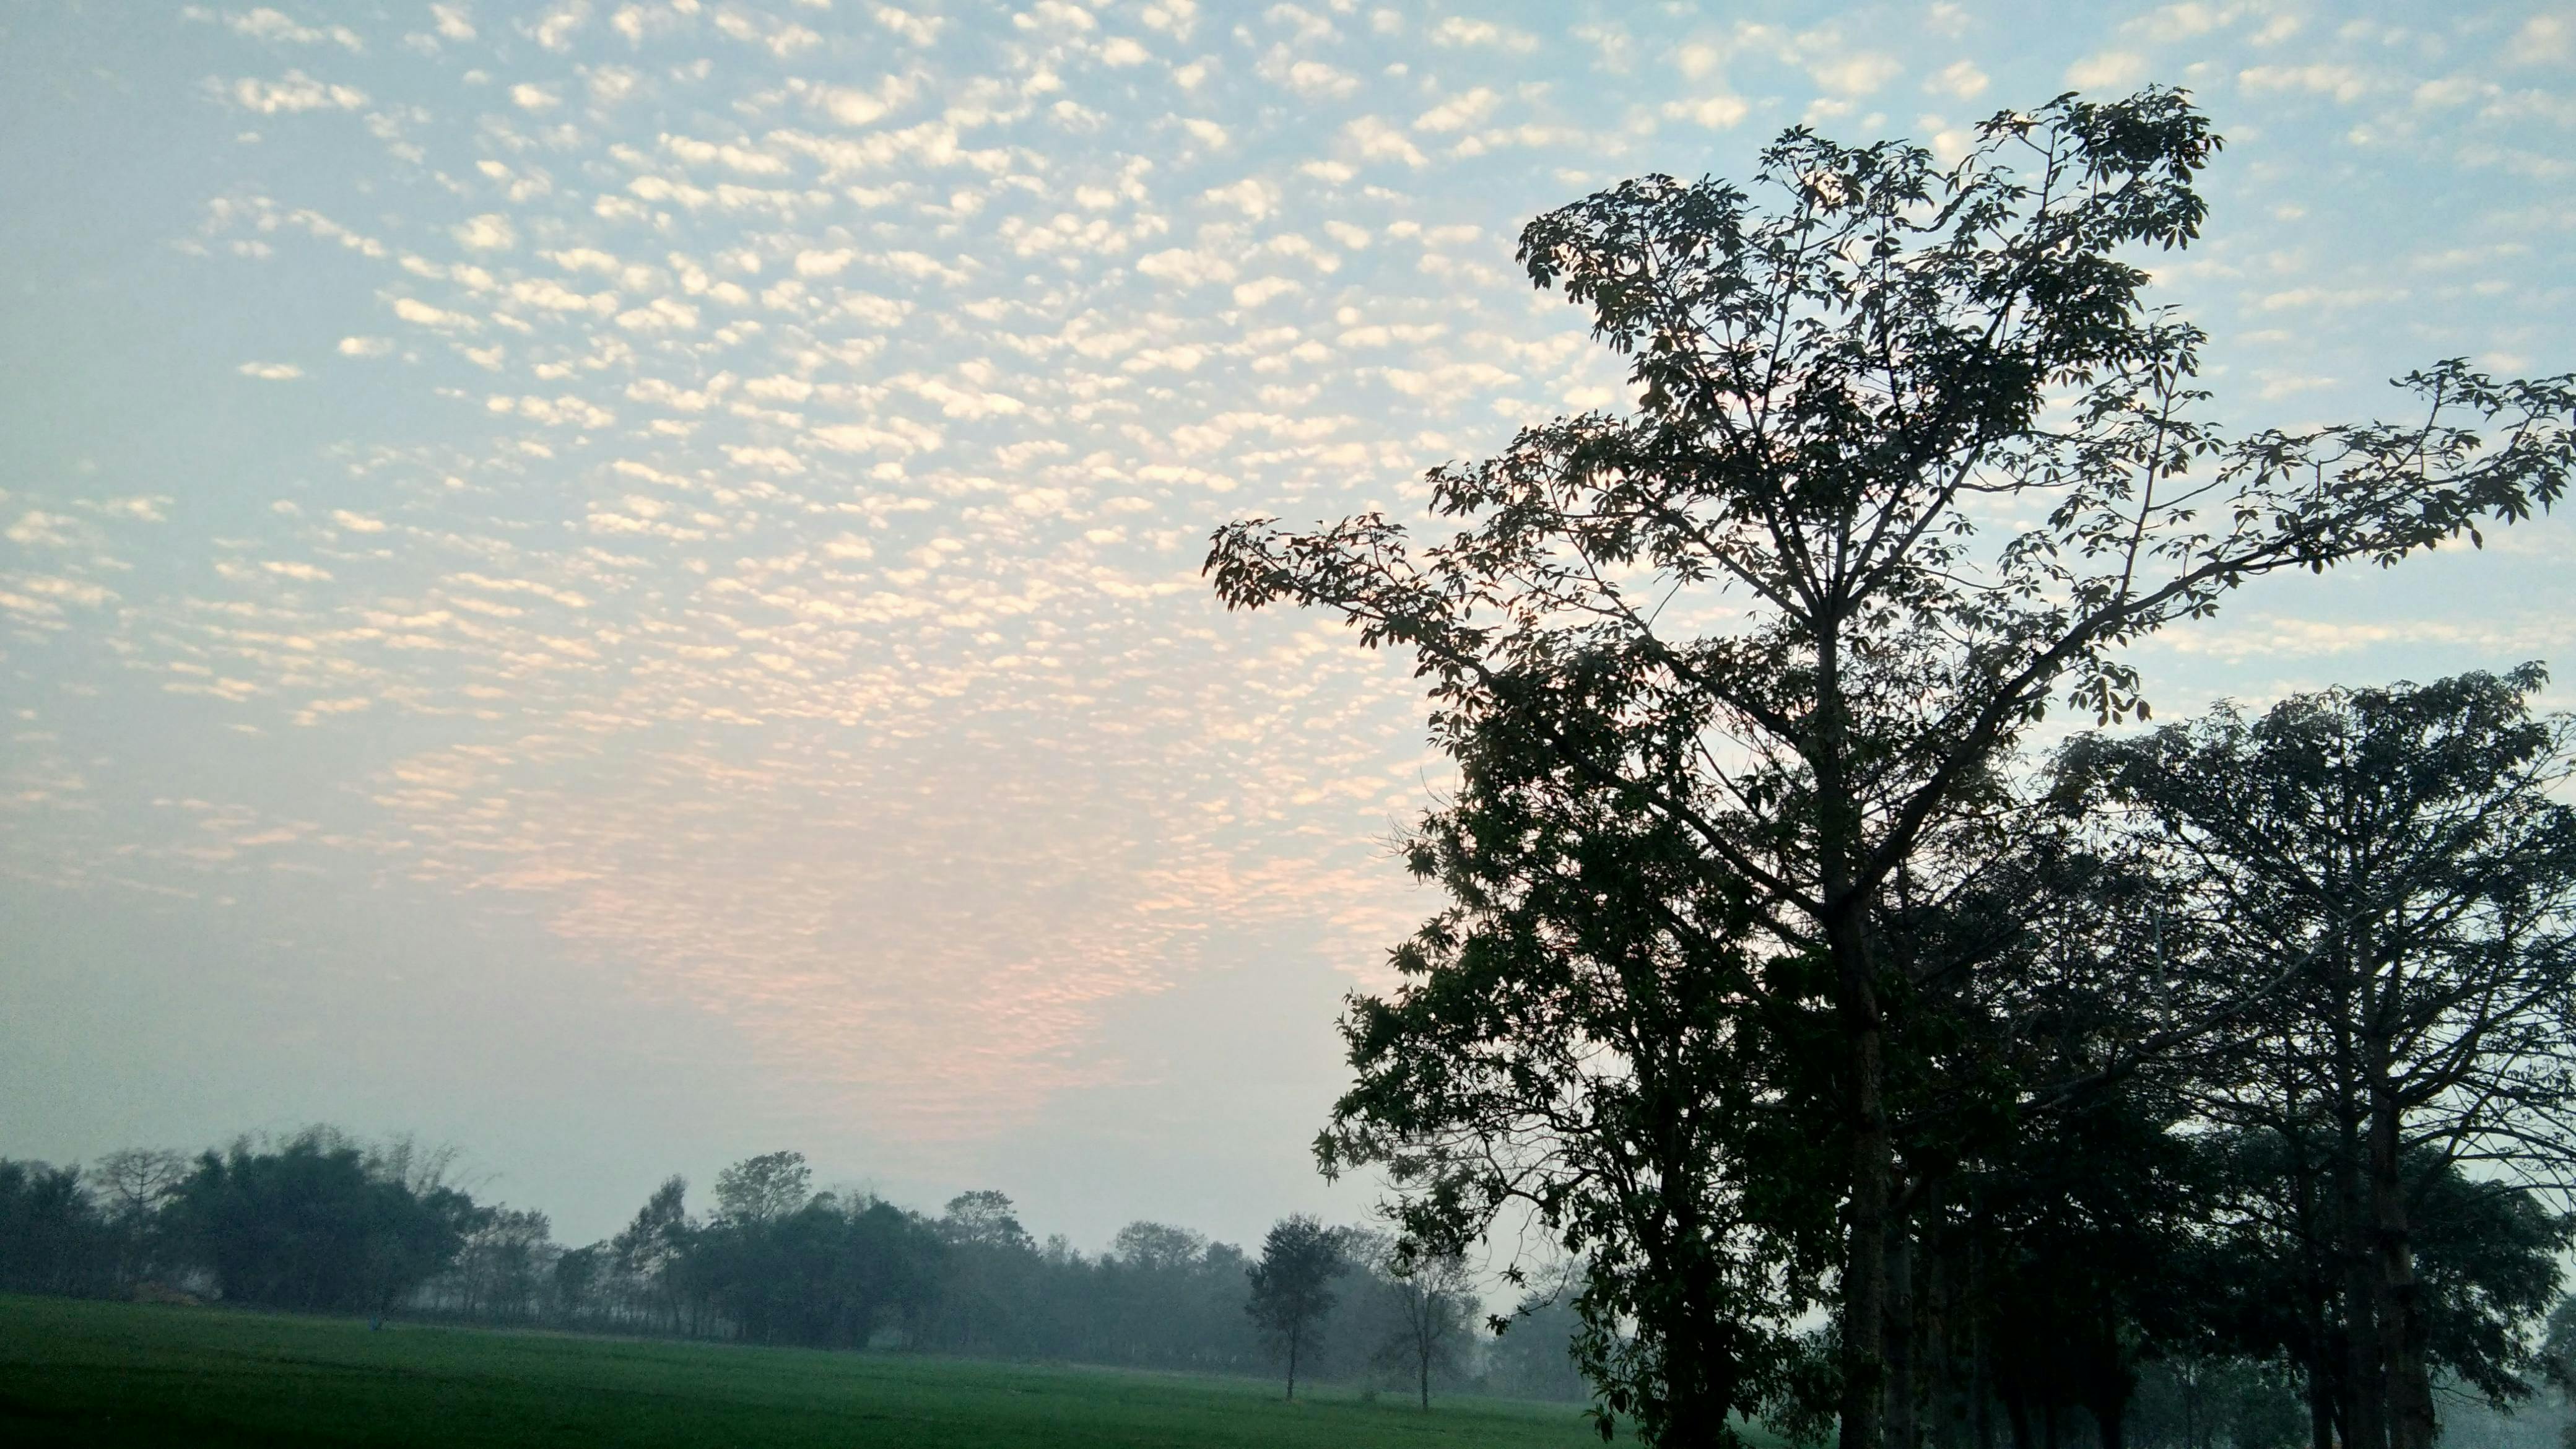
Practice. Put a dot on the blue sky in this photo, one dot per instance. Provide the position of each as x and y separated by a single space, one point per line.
617 583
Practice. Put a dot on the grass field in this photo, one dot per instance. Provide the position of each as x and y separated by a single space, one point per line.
125 1374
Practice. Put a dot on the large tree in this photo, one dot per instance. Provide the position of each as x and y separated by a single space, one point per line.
2401 853
1912 457
317 1222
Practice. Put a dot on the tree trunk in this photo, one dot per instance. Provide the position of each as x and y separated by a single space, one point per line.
1981 1367
1864 1285
1900 1427
2412 1422
1846 923
1292 1365
2362 1414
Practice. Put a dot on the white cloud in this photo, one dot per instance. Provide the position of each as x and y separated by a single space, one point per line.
452 22
1459 111
1458 31
1123 51
1188 268
1311 78
1374 140
295 92
2543 40
1252 196
1959 78
1254 293
421 313
2339 81
564 411
1173 17
365 346
1715 112
267 24
1855 74
35 527
271 371
490 232
2107 70
529 97
555 29
919 29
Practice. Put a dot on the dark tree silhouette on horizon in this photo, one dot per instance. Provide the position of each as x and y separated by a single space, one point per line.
1292 1286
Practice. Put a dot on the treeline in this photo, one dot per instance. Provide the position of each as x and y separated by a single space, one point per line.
321 1222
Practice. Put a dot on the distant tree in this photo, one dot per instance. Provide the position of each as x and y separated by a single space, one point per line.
2397 861
652 1251
133 1186
316 1223
989 1266
1913 458
576 1280
1158 1247
758 1189
1292 1286
1434 1298
507 1258
984 1218
1532 1355
52 1236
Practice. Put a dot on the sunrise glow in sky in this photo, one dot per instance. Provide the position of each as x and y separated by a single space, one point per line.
617 583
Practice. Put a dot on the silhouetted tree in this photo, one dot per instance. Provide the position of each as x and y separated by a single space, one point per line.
2395 860
1292 1286
759 1189
52 1237
314 1224
652 1251
1912 457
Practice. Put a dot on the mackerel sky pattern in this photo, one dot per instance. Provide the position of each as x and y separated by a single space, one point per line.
619 582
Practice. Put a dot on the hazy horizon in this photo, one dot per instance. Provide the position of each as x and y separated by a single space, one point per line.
616 585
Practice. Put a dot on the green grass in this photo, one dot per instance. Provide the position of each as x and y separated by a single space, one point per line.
116 1374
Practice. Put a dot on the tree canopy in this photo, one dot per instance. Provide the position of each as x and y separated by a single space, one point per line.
1912 457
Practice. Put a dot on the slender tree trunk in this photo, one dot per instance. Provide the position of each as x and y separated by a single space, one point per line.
2362 1415
2321 1416
1293 1336
1864 1285
1981 1363
2412 1421
1949 1410
1900 1427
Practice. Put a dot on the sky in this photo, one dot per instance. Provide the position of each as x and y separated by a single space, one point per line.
618 584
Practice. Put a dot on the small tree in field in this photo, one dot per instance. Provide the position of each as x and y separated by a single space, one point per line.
1434 1298
1292 1286
1912 458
